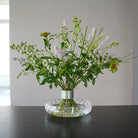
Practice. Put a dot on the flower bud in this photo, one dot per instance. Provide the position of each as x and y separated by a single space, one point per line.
65 22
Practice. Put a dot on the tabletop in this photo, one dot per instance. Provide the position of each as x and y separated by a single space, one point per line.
102 122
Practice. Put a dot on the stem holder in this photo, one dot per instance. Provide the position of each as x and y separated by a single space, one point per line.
67 94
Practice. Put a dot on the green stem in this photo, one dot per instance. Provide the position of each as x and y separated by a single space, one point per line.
75 44
129 58
67 103
61 85
84 39
127 55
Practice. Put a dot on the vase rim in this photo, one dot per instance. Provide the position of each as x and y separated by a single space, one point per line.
67 90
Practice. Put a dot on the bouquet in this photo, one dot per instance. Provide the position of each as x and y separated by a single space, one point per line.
69 58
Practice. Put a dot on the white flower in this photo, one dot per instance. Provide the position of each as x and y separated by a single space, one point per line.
65 22
95 51
91 35
92 32
58 52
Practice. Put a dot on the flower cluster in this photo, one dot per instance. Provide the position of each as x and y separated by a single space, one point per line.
76 57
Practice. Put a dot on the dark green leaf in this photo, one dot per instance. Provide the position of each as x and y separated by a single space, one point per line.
27 68
93 81
55 84
50 86
101 58
38 76
44 81
45 57
85 83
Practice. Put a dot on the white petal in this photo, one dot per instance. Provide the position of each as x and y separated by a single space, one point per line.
65 22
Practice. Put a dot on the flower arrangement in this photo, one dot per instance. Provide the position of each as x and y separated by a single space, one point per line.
69 58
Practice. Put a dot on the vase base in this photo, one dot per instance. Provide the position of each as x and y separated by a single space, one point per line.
84 107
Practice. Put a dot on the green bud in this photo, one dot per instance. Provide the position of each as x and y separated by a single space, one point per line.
79 41
79 29
76 25
79 21
73 33
75 19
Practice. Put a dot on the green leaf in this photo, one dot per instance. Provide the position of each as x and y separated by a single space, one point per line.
62 44
32 68
93 81
25 64
38 76
27 68
50 86
85 83
61 72
44 81
101 58
45 57
81 47
83 54
55 84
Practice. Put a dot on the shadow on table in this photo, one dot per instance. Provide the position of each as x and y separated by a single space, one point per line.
66 127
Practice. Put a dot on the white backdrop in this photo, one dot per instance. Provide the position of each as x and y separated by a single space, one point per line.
28 18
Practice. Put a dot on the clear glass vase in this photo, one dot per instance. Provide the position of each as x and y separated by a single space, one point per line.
67 106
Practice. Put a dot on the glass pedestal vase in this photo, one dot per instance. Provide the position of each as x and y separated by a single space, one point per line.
67 106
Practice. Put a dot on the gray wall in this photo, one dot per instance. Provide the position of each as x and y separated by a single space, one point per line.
28 18
135 46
